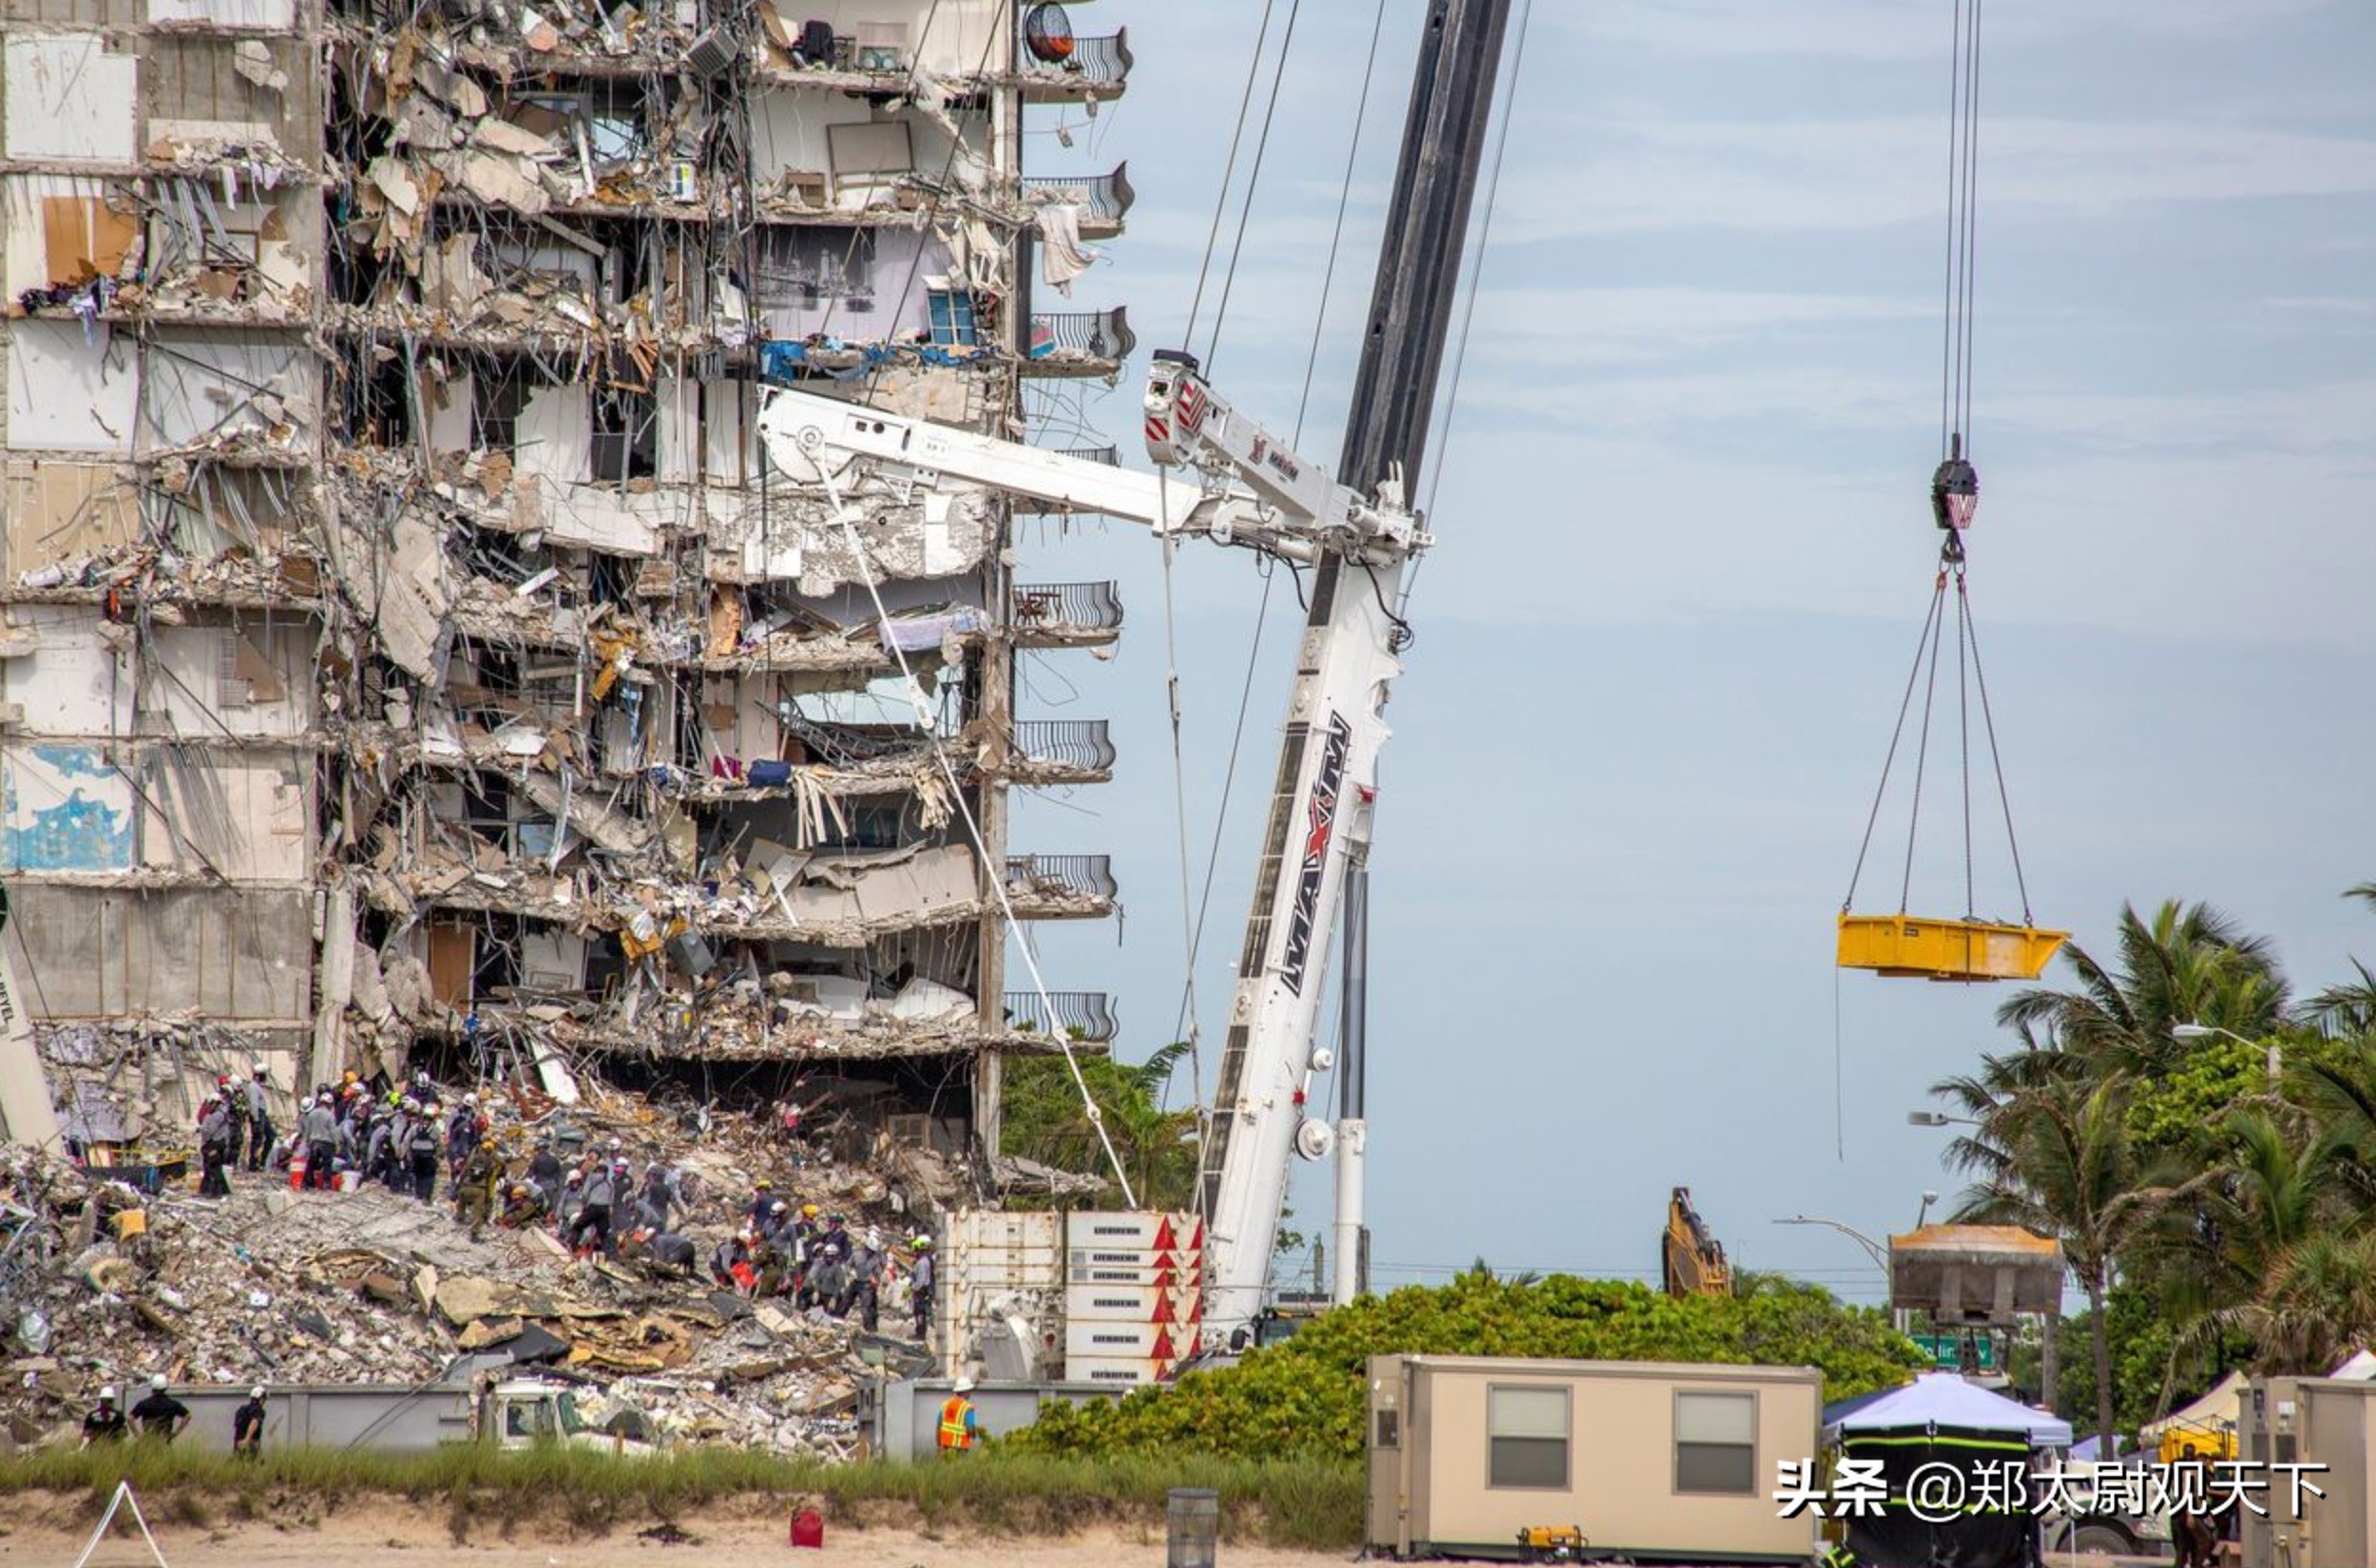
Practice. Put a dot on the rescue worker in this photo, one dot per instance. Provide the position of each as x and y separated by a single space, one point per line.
920 1286
474 1188
421 1147
861 1289
320 1130
106 1422
659 1197
379 1148
257 1091
835 1245
591 1234
234 1098
216 1147
161 1414
247 1426
523 1205
463 1133
762 1200
729 1260
544 1172
961 1424
573 1200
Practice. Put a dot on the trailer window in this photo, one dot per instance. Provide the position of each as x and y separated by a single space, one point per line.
1526 1429
1716 1442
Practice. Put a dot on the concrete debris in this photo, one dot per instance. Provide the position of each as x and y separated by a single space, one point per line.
108 1274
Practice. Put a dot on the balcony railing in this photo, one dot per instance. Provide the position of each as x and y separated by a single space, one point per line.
1104 197
1078 1014
1101 63
1081 744
1075 335
1063 875
1067 608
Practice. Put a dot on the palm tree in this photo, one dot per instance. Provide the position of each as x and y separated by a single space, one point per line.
2067 1168
2349 1009
1045 1121
2247 1245
2189 963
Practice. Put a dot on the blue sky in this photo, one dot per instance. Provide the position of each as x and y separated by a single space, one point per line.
1686 550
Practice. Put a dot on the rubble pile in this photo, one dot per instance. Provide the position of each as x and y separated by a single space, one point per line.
102 1282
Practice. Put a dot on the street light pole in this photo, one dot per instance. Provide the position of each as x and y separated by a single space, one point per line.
2204 1031
1873 1250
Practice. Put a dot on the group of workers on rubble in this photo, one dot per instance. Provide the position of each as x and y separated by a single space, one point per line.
396 1136
814 1261
399 1136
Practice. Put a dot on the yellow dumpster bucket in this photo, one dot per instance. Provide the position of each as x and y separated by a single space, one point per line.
1945 949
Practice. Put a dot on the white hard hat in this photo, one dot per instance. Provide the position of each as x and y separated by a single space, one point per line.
964 1386
256 1392
156 1381
259 1068
107 1395
469 1099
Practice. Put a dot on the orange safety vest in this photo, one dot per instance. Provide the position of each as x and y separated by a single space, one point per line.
956 1430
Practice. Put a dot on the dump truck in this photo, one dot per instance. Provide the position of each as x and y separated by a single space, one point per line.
506 1412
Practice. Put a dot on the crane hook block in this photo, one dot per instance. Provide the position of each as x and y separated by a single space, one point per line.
1945 949
1955 490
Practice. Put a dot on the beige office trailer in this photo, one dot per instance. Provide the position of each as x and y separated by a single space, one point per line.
1653 1459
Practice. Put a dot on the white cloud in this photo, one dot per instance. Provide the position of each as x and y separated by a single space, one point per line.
1651 175
1579 326
1891 29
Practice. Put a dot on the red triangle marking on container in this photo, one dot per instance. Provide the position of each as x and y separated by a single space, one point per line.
1164 1237
1163 1307
1163 1350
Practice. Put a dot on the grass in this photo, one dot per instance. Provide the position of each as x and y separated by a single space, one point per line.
1296 1502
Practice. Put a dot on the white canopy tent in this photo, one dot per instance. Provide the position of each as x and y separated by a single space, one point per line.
1947 1401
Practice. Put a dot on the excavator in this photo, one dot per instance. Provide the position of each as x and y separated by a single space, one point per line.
1695 1260
1224 478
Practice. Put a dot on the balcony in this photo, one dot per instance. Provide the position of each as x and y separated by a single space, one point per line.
1086 1016
1103 199
1060 886
1080 343
1095 68
1066 615
1061 750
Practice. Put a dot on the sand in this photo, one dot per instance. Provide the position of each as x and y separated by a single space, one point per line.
378 1535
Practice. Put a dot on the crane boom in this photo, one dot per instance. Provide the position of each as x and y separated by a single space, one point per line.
1255 491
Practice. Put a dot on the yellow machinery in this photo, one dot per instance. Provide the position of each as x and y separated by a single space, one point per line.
1695 1259
1945 949
2183 1440
1552 1543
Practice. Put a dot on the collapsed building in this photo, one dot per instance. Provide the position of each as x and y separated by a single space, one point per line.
408 647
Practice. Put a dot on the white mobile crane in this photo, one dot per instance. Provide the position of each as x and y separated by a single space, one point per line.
1225 478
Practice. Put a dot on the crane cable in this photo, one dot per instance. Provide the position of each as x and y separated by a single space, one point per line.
1188 1026
1270 578
1955 495
929 723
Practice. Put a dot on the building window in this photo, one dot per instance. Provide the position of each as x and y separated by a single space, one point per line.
626 435
1527 1428
1716 1442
